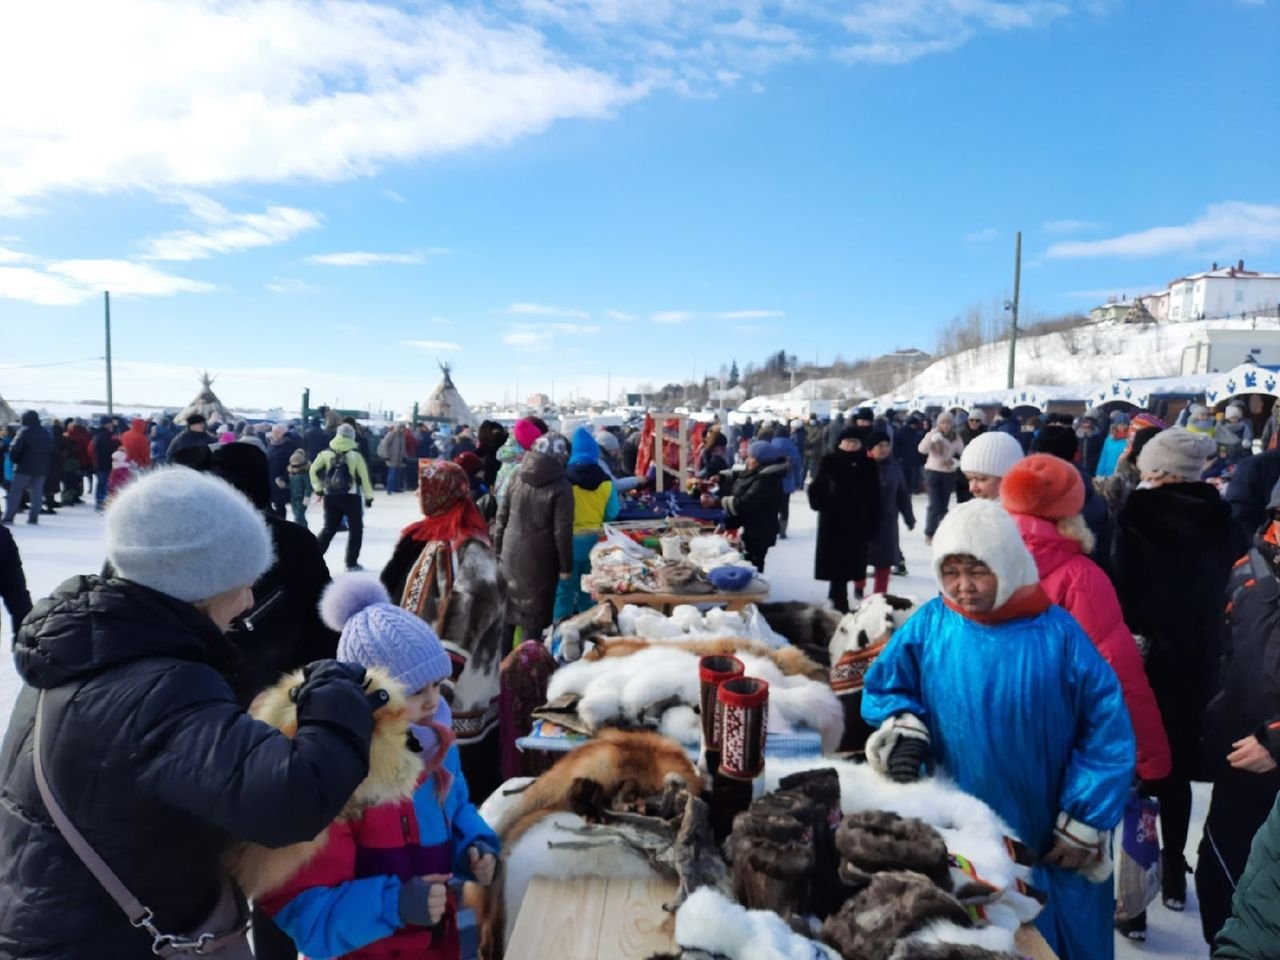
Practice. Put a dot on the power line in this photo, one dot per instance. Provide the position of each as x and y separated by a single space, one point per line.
52 363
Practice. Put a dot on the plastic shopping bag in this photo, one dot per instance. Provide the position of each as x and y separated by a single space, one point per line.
1139 860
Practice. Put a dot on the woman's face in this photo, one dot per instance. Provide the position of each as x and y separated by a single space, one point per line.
225 607
984 487
969 584
422 706
882 450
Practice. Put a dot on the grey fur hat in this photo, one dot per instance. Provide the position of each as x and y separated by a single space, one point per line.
1177 451
188 535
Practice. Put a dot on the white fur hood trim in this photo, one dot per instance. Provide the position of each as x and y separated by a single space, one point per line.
983 529
708 921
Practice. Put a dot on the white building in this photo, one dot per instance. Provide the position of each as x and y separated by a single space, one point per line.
1223 292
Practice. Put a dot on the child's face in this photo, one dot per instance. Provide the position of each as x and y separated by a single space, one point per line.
983 486
422 706
969 584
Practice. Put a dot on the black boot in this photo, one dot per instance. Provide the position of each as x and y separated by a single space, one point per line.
1135 928
1173 881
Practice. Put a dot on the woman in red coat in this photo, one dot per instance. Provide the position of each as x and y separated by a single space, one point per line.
1045 495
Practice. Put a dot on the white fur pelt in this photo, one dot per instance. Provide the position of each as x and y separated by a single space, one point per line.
993 938
627 689
531 856
503 800
873 622
687 622
709 922
968 826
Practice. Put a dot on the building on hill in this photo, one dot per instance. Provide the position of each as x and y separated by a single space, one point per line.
206 403
1112 310
1223 292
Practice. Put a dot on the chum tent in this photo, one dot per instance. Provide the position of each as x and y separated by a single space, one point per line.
446 403
206 402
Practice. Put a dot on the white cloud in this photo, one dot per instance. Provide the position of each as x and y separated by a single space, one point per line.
754 329
393 195
899 31
14 256
288 285
70 282
985 235
1227 227
361 258
527 340
1069 226
437 346
748 314
228 232
539 337
619 315
671 316
542 310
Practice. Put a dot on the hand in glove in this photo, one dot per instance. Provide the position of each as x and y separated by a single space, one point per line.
368 503
899 748
334 692
1078 846
423 900
483 863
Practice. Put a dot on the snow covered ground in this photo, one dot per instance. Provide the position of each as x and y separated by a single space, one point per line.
72 543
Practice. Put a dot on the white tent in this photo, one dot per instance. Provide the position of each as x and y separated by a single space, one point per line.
206 402
446 402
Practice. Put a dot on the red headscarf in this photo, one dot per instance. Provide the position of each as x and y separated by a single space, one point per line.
444 494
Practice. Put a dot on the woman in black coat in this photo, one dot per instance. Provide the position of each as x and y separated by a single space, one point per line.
1175 544
846 496
143 743
884 552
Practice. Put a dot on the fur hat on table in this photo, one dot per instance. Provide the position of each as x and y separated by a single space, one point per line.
991 454
1043 486
377 633
188 535
984 530
1177 452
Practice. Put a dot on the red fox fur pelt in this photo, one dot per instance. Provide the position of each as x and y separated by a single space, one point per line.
792 661
394 771
614 759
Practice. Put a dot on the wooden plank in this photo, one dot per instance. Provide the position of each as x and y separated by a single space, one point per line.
559 919
1031 944
634 926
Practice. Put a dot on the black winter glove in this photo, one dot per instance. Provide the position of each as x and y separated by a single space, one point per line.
333 693
368 502
906 759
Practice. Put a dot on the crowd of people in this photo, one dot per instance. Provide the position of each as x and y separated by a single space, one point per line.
1102 628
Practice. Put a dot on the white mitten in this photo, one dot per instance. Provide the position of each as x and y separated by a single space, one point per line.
1084 837
895 730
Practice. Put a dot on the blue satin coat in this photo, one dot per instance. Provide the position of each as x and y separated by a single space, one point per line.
1028 717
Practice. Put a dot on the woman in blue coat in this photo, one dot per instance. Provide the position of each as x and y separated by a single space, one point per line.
1005 694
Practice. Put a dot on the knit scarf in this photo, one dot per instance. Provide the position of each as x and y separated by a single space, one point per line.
436 737
1028 601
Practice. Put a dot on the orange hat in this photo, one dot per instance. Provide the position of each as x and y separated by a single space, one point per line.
1043 486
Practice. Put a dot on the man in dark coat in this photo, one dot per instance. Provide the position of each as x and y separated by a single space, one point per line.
13 581
1174 549
193 435
1250 488
834 429
906 443
752 500
846 497
101 447
29 454
280 448
316 439
143 743
1092 437
884 553
1061 441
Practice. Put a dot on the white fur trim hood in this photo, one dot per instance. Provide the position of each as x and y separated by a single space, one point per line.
983 529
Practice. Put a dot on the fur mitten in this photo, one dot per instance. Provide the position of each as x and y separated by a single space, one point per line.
869 926
876 840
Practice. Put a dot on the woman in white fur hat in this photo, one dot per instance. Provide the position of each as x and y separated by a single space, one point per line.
143 745
1006 695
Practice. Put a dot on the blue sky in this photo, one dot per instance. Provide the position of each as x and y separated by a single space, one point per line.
335 194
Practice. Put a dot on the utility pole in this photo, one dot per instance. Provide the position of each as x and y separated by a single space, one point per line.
106 302
1013 306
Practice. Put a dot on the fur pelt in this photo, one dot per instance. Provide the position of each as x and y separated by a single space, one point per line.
967 826
637 690
873 622
394 772
526 822
876 840
810 626
941 940
792 661
773 853
892 906
709 924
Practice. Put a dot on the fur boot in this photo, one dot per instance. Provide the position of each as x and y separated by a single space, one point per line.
877 840
772 848
827 893
893 905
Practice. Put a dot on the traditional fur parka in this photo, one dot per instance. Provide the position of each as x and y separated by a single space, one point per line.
846 496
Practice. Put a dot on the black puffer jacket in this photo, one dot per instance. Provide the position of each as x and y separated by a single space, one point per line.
155 763
32 446
753 502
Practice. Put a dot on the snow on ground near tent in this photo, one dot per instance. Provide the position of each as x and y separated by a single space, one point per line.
71 543
1086 355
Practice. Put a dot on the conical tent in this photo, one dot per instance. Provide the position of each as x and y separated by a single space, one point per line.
7 413
446 403
206 402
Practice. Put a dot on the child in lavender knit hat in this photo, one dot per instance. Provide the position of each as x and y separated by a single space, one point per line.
382 879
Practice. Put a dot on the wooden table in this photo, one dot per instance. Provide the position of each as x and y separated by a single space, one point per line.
593 918
667 601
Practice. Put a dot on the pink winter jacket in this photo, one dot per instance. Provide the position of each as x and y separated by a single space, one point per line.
1078 585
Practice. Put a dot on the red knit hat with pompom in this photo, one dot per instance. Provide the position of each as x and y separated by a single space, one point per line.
1044 486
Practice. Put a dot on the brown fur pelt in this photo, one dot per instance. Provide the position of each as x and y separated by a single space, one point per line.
893 905
394 771
915 950
773 849
792 661
617 764
877 840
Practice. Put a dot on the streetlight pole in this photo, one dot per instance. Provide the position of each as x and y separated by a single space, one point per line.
106 303
1013 307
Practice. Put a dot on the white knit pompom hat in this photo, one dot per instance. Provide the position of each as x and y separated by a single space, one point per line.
991 454
188 535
